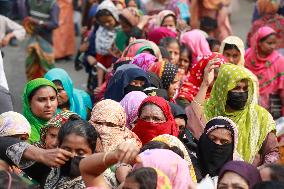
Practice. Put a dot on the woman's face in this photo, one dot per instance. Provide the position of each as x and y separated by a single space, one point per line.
265 174
173 49
137 83
220 136
130 183
267 46
184 61
77 145
152 113
51 141
173 87
231 180
44 103
242 86
108 22
232 55
169 22
62 95
180 123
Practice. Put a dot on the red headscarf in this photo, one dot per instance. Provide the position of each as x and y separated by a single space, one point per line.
146 131
190 86
158 34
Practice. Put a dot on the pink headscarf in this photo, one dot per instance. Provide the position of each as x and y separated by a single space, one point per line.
158 34
144 61
265 68
197 43
172 165
131 103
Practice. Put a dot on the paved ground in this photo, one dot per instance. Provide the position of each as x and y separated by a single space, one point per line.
15 66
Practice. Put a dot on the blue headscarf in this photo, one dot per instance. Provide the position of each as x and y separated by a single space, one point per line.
79 100
121 79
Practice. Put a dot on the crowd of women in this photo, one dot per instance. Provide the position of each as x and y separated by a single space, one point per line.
174 100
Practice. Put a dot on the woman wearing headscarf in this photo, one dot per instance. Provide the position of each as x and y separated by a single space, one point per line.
69 98
197 43
167 18
191 86
144 61
217 145
233 48
267 64
125 81
159 33
131 103
109 119
168 73
268 9
172 165
39 104
233 96
217 10
15 125
49 133
238 174
174 141
154 118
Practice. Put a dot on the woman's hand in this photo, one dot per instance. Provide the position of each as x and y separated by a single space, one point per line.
208 76
127 152
54 157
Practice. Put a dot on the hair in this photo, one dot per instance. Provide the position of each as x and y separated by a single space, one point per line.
230 47
145 176
116 65
36 89
11 181
104 12
269 185
213 42
164 52
123 19
266 37
208 24
277 172
170 15
161 145
81 128
165 42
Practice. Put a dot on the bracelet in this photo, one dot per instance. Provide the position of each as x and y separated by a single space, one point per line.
123 164
197 102
104 158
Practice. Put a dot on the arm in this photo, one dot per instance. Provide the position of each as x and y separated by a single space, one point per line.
16 30
54 18
92 167
194 11
269 150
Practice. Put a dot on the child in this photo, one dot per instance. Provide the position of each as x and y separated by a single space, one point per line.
101 41
172 46
185 59
214 44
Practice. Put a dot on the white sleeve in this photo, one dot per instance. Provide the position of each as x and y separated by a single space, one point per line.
3 80
15 28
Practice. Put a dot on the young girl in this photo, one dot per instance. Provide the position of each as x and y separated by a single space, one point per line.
172 46
185 59
101 42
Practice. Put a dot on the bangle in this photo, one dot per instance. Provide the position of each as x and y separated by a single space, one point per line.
197 103
104 159
122 165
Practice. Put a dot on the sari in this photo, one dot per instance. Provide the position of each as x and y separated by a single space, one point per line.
172 165
40 54
35 122
197 43
269 70
79 100
190 86
254 123
65 33
109 119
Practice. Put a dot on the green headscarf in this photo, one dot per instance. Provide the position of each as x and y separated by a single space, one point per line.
35 122
253 123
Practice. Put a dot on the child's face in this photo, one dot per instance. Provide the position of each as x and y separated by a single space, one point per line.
173 49
184 61
108 22
169 22
216 48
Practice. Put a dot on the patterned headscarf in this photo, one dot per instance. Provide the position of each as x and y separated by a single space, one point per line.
131 103
144 61
253 123
35 122
166 72
190 86
13 123
174 141
57 121
170 163
109 119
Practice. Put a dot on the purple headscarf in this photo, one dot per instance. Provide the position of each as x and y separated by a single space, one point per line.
243 169
144 61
